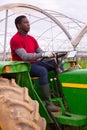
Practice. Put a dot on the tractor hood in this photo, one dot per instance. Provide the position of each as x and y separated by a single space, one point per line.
74 86
74 78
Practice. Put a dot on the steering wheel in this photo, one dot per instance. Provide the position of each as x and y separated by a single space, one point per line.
57 55
55 58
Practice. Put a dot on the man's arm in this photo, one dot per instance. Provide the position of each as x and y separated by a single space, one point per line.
21 52
39 50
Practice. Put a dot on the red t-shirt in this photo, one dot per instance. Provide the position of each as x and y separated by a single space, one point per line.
20 41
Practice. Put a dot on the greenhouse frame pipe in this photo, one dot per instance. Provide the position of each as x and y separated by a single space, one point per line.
10 6
5 37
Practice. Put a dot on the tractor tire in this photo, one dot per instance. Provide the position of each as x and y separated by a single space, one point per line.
17 110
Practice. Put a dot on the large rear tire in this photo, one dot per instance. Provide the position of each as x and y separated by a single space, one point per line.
17 110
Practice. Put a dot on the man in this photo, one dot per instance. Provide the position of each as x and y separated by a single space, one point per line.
25 48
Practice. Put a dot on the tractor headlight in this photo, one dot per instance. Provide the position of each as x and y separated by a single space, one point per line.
6 69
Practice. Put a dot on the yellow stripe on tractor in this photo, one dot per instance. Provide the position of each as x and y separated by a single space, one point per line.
74 85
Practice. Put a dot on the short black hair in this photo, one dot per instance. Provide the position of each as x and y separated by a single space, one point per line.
19 19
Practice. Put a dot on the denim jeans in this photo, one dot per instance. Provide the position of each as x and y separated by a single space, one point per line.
41 69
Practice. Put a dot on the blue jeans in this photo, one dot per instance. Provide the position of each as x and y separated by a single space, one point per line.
41 69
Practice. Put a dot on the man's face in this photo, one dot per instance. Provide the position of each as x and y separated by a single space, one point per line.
24 25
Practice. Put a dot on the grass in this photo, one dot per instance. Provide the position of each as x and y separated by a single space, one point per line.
83 63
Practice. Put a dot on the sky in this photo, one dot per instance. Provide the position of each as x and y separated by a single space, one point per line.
73 8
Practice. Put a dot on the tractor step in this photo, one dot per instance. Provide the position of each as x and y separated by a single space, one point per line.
71 119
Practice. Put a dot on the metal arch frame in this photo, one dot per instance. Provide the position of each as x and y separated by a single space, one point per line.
63 15
10 6
74 41
79 36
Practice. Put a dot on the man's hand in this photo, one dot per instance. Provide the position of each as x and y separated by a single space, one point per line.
48 54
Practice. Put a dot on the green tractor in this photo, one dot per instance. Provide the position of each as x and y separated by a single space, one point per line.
21 103
22 106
